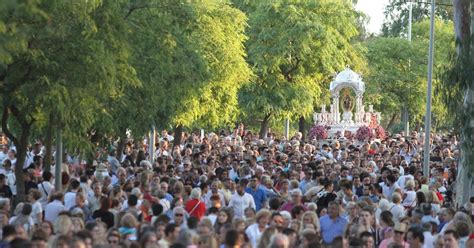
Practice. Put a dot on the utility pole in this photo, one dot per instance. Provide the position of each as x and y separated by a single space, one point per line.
426 149
287 128
59 161
151 149
406 116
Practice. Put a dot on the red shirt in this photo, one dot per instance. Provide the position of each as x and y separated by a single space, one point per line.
195 208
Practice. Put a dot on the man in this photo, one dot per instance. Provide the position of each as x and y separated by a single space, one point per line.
4 153
81 204
179 217
258 194
52 209
214 191
5 191
94 200
45 188
451 239
171 235
397 239
366 219
332 224
279 241
241 200
415 237
368 239
296 200
278 221
70 197
10 175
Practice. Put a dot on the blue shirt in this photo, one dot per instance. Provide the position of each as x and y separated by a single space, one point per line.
259 196
331 229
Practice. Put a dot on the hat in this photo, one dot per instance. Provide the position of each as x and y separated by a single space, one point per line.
296 192
401 227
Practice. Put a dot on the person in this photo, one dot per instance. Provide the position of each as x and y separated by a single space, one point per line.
103 212
257 192
241 200
332 224
45 188
415 237
279 241
70 196
296 200
195 207
398 238
171 235
254 232
56 206
367 239
451 239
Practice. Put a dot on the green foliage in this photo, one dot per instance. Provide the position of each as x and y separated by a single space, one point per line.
397 75
295 46
444 49
397 12
191 59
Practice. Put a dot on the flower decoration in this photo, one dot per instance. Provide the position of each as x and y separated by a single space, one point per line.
318 132
364 133
379 132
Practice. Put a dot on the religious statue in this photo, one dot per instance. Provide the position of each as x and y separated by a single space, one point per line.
347 103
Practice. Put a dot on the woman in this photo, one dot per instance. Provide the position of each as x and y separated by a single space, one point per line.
284 190
310 218
37 210
266 236
195 207
255 231
148 239
103 212
409 197
207 241
385 228
224 217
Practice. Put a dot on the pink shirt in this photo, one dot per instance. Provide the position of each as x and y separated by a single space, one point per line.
386 242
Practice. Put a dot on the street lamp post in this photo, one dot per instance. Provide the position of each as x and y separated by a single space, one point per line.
426 149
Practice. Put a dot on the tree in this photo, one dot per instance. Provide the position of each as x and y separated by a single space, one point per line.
397 12
444 48
68 61
460 81
191 59
294 46
397 76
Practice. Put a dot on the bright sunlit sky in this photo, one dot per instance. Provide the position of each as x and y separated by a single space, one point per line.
374 9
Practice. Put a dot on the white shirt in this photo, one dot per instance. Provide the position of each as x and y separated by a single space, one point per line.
45 188
207 199
429 240
239 203
254 234
3 156
11 180
402 180
36 209
52 210
398 212
410 200
69 200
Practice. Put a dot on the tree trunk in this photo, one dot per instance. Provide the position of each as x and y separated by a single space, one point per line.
464 28
48 144
178 133
391 122
264 126
120 148
302 127
22 149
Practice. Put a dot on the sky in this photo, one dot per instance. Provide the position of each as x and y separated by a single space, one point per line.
374 9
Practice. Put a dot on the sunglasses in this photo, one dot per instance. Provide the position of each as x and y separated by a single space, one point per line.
179 215
113 241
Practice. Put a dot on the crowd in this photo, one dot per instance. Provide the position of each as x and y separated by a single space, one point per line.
234 189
